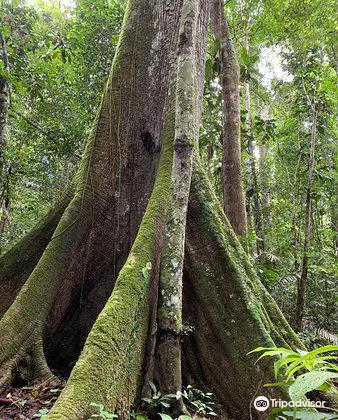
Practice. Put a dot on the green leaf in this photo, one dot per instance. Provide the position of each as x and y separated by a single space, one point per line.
292 369
145 272
112 416
320 350
169 396
282 362
258 349
109 415
310 415
308 382
281 350
165 416
324 387
276 384
271 353
100 406
151 384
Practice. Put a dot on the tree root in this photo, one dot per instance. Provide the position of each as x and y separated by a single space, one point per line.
27 366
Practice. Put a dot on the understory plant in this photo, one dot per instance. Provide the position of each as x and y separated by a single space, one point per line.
102 414
302 372
196 401
199 401
157 402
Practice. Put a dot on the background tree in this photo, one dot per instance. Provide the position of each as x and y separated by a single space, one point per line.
233 195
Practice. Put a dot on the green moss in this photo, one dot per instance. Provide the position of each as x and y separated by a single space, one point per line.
237 258
17 264
109 368
250 317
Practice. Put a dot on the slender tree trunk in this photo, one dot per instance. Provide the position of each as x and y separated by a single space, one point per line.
186 138
4 105
295 202
307 231
234 200
334 210
257 214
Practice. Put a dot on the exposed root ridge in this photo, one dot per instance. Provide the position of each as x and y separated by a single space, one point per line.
28 366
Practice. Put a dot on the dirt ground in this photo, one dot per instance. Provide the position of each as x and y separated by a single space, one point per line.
27 403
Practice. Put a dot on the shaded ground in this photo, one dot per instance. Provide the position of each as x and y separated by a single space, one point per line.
27 403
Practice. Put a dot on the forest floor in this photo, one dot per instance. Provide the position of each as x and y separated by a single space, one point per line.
27 403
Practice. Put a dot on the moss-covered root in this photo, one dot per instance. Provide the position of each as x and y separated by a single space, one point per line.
110 366
21 325
223 301
28 365
17 264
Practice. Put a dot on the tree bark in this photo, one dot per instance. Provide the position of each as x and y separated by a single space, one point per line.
234 200
229 309
18 262
113 186
98 278
4 105
307 231
185 142
257 214
295 204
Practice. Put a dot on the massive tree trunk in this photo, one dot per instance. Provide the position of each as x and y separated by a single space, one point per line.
96 283
233 194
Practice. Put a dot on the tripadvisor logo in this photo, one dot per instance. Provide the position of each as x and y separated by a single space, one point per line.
261 403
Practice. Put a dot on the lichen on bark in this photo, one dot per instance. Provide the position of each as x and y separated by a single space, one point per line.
185 141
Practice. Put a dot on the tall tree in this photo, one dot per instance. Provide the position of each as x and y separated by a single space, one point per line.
305 261
234 201
4 105
96 282
253 193
170 315
307 230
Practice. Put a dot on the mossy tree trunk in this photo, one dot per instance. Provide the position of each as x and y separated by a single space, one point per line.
185 142
95 286
19 261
